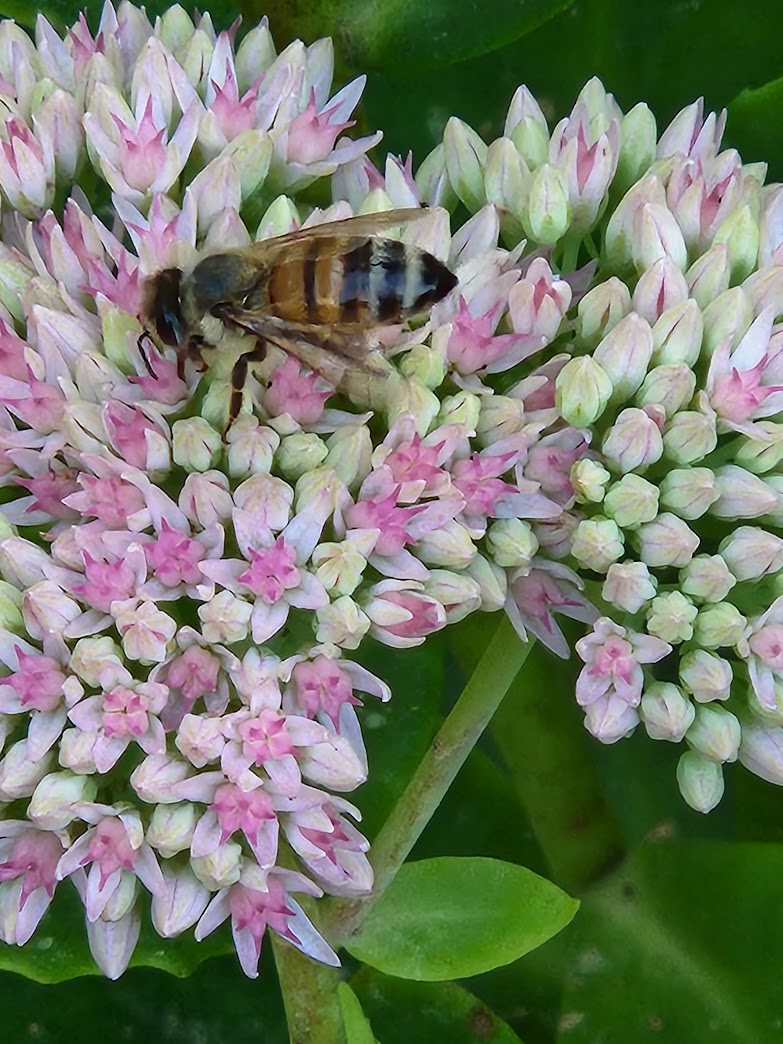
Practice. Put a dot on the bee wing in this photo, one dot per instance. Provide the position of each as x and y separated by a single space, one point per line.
296 245
349 341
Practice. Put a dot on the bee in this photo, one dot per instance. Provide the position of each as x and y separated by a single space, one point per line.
318 293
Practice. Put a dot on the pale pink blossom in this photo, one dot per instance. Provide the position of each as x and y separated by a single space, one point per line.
613 658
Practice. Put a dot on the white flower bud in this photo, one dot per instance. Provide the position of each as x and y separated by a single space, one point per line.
707 578
196 445
629 586
700 781
54 803
671 617
715 733
220 869
589 480
512 543
667 714
582 391
706 676
689 492
598 543
719 626
631 501
171 828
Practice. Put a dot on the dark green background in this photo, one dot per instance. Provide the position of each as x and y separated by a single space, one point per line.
679 937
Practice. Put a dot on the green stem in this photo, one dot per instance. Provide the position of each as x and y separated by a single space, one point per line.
495 672
309 989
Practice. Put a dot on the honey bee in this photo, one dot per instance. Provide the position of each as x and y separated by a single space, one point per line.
317 293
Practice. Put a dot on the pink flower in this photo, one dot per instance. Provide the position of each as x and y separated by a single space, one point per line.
116 849
473 346
613 657
735 380
262 899
534 598
312 134
122 716
28 877
290 391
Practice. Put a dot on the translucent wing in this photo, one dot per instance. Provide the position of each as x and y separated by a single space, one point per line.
350 341
351 232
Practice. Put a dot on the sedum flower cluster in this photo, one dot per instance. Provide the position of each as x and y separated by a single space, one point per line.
669 375
180 598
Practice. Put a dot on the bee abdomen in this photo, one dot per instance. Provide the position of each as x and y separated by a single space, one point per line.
379 280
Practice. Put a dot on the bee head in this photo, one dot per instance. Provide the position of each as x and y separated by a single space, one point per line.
162 307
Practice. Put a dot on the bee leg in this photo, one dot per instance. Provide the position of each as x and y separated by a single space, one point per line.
143 353
239 378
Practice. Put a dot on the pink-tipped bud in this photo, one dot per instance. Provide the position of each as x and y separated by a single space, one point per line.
719 626
671 387
689 492
706 676
631 501
666 712
633 442
690 436
677 335
466 160
667 541
600 310
661 287
709 276
624 355
715 733
629 586
741 494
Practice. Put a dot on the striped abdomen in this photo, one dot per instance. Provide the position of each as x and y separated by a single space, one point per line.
375 281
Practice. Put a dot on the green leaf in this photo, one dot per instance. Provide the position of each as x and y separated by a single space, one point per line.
681 944
59 950
755 118
403 1011
374 33
448 918
356 1024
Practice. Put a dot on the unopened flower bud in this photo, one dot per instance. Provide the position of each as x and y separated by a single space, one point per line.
462 408
629 586
666 541
589 480
677 334
600 310
196 444
622 230
741 494
715 733
671 387
433 180
760 455
598 542
709 276
505 184
99 662
705 675
500 416
666 712
689 492
631 501
206 498
707 578
634 441
342 623
450 546
350 452
339 566
726 318
181 904
582 391
171 828
46 608
610 719
251 447
638 134
547 213
426 364
671 617
690 436
300 452
19 774
458 594
660 288
740 233
10 607
700 781
751 553
527 127
761 751
624 355
466 159
719 626
53 804
658 236
220 869
492 582
512 543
